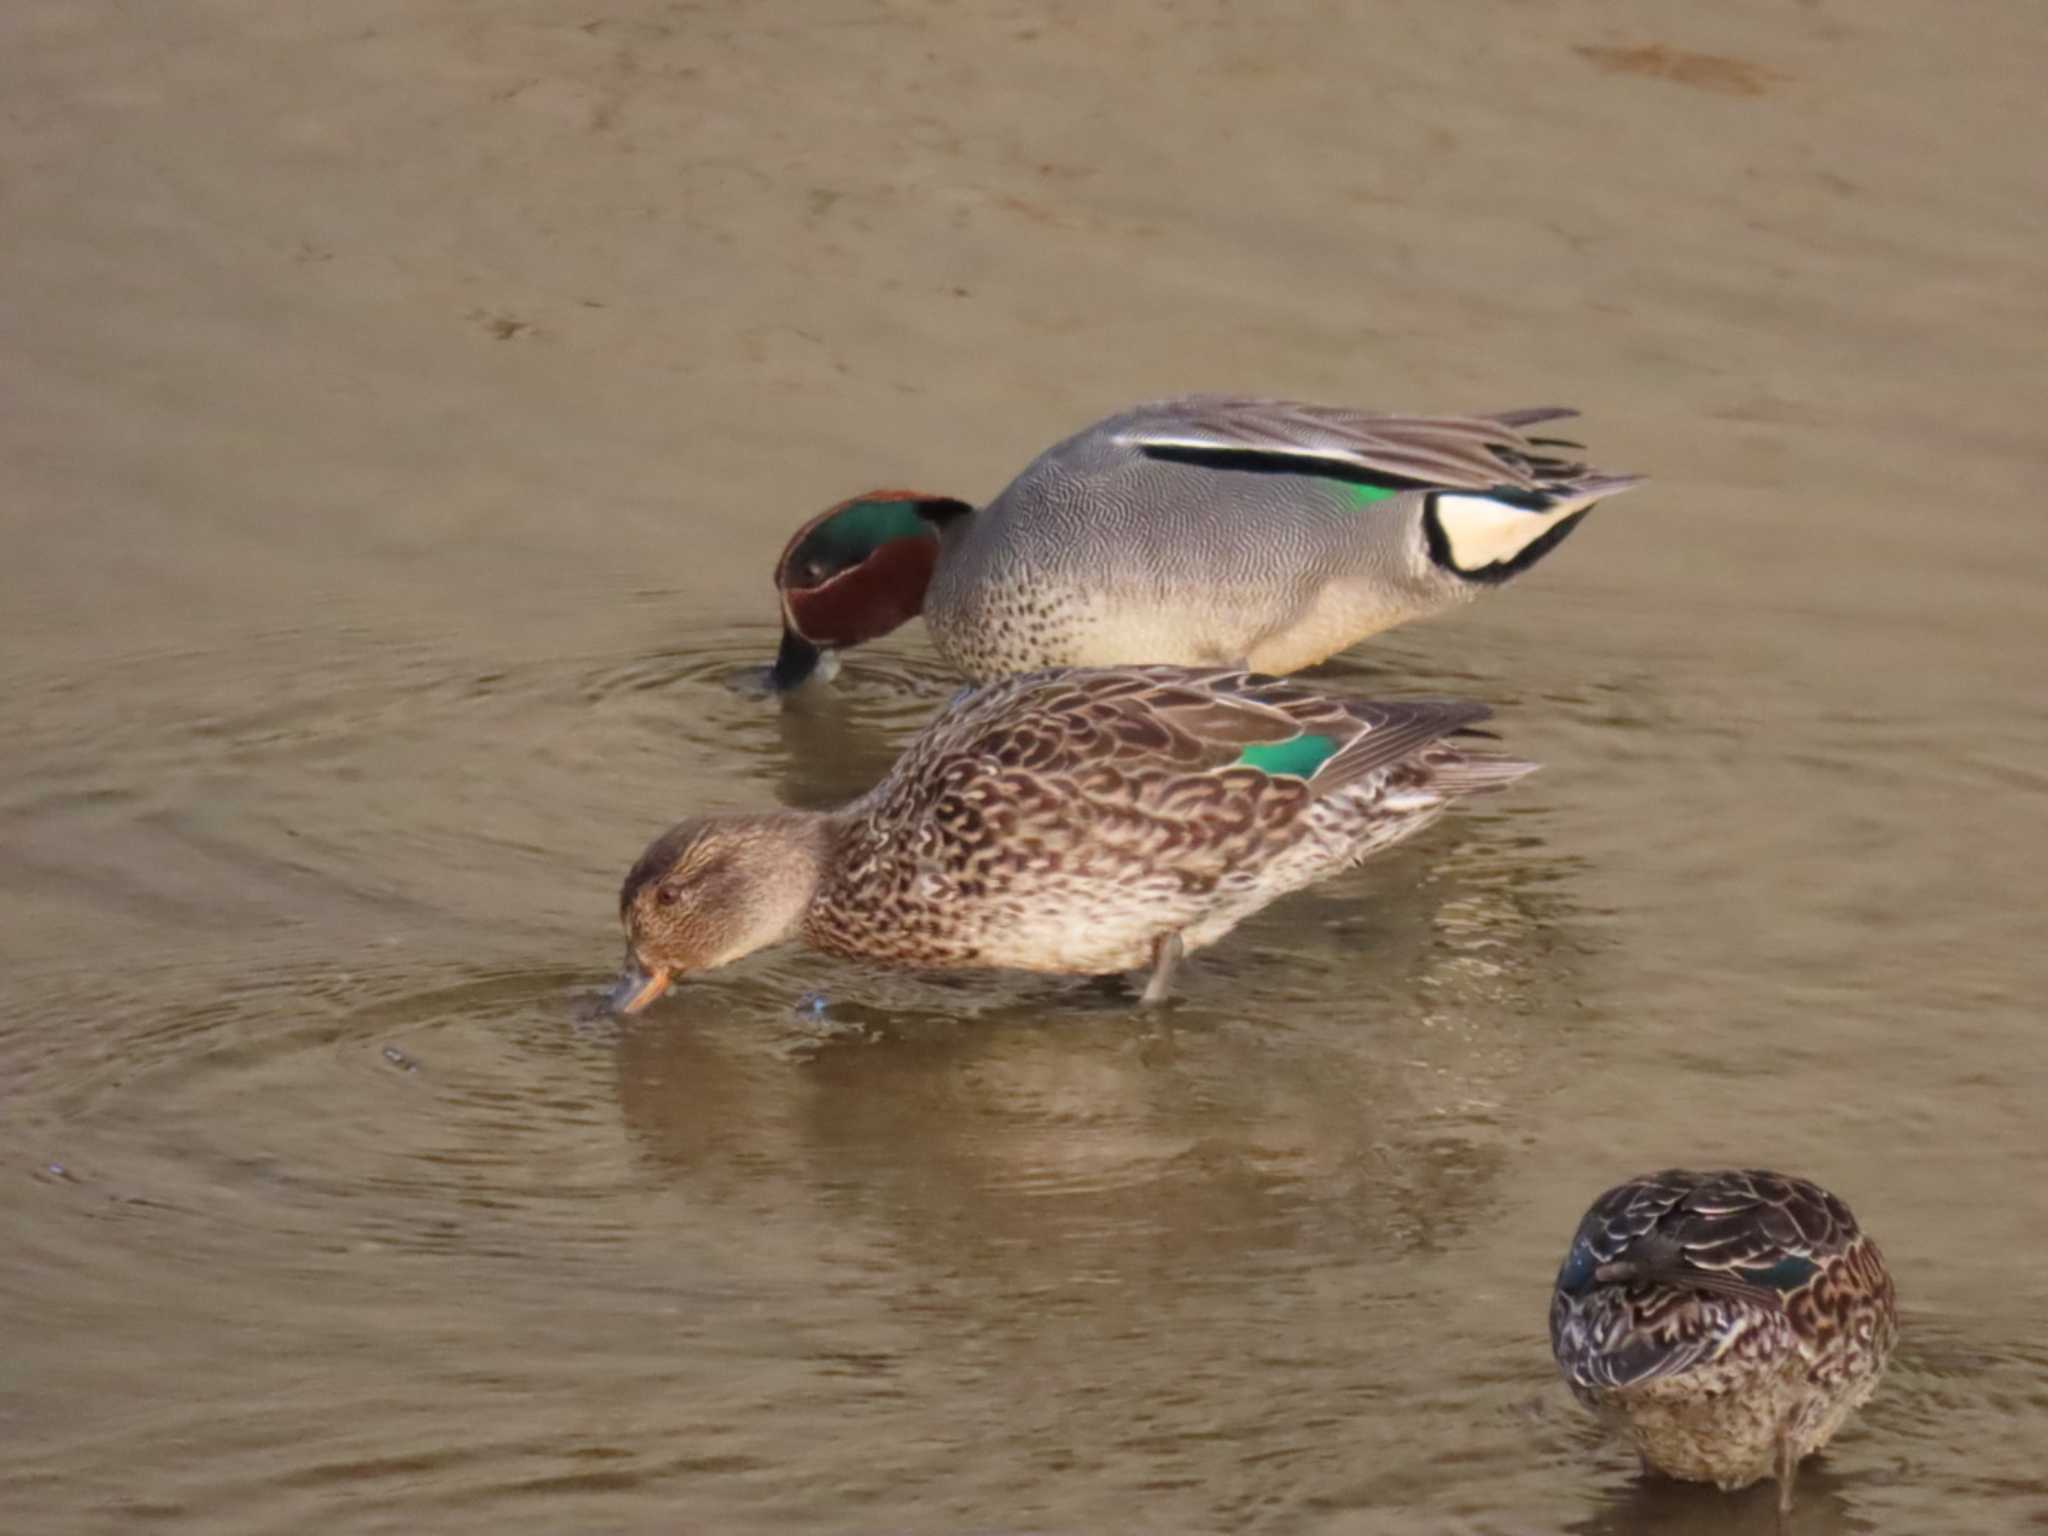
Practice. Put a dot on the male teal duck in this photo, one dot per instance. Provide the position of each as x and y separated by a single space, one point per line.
1733 1320
1079 821
1207 531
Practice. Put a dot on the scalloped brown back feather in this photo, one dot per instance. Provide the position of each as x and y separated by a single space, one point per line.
1192 721
1066 820
1736 1318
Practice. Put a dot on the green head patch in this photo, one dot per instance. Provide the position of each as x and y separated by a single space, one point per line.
856 571
847 534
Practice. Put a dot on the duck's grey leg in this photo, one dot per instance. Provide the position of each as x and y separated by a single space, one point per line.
1788 1469
1166 952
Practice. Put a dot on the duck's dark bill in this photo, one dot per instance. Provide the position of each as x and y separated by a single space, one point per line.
795 662
637 988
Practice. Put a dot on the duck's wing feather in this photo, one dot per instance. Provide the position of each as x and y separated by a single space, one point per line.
1765 1228
1665 1269
1191 721
1741 1222
1469 453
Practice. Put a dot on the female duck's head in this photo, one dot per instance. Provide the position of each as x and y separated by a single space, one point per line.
855 572
713 889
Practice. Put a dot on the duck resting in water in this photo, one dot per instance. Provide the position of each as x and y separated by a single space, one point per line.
1732 1321
1081 821
1207 531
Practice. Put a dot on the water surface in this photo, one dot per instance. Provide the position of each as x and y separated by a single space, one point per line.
405 406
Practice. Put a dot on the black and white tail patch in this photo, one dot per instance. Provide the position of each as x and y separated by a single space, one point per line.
1491 538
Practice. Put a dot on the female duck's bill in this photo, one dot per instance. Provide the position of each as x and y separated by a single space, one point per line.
637 987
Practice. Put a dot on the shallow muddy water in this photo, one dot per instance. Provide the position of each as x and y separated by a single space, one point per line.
404 407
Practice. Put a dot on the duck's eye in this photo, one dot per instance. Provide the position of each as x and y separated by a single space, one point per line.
668 895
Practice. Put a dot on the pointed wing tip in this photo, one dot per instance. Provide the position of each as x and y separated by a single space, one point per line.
1437 718
1589 489
1532 415
1460 713
1483 773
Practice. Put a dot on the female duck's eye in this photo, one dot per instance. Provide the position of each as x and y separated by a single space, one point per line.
668 895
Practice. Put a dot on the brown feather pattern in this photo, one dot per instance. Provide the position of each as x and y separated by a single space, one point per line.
1064 820
1720 1311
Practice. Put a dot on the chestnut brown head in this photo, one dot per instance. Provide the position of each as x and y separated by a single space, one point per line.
855 572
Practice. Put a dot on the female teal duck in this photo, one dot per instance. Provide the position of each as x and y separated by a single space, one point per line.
1206 531
1734 1320
1082 821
